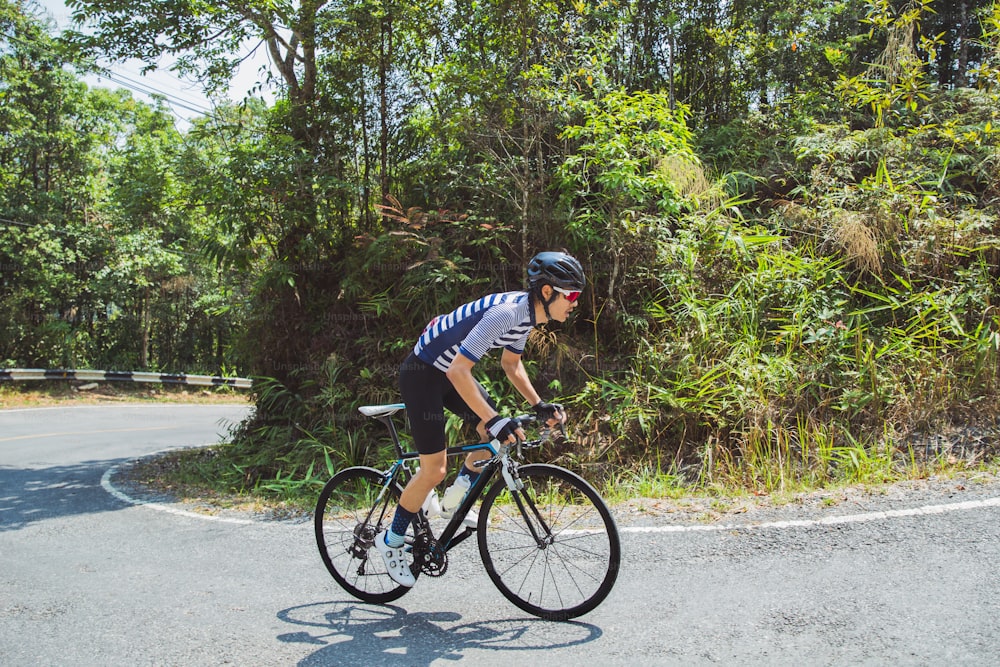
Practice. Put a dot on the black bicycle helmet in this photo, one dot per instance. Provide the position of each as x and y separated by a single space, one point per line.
557 269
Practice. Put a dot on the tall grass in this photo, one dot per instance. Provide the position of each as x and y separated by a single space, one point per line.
802 349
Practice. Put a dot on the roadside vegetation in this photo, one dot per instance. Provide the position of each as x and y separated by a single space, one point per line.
791 227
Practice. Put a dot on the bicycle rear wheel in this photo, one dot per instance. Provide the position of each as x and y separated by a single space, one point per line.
551 548
349 514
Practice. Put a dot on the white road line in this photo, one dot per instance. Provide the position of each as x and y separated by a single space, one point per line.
926 510
825 521
109 487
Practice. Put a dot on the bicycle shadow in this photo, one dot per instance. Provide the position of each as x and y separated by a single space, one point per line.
360 633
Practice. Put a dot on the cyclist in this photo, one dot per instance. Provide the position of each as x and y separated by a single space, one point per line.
438 374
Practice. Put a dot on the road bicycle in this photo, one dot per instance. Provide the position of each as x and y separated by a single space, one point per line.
546 537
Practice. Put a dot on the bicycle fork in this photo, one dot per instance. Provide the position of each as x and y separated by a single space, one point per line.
543 538
539 529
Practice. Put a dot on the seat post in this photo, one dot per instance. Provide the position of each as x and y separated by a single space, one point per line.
387 420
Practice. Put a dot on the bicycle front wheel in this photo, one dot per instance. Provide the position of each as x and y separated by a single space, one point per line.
352 509
551 548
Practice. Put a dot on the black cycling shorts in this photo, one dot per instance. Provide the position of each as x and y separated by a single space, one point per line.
426 391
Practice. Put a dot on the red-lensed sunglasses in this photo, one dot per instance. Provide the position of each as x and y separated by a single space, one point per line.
571 296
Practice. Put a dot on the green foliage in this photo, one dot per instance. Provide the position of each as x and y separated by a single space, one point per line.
896 80
622 165
790 277
99 245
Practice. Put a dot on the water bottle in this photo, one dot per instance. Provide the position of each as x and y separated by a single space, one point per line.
455 493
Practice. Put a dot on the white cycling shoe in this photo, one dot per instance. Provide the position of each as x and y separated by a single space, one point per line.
471 519
395 561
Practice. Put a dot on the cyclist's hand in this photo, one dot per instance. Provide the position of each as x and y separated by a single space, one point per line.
551 413
504 429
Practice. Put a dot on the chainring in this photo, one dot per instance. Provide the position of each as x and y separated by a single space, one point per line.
429 556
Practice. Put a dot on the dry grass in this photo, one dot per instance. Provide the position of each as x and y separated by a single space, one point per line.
856 237
51 394
689 177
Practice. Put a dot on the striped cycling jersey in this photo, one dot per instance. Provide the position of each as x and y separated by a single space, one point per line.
496 320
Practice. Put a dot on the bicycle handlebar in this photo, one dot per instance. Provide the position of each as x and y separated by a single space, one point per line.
521 420
544 434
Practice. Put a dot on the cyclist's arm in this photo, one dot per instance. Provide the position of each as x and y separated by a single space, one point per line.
460 375
518 376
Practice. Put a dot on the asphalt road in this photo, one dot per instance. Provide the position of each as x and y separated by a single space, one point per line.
89 579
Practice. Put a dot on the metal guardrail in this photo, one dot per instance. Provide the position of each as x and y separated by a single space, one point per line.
18 374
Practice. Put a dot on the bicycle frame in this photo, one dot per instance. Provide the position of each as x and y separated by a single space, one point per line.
493 462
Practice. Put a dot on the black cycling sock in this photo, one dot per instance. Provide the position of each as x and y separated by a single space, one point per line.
468 472
400 523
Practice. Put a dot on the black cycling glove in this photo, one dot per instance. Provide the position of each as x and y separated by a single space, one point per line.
547 411
502 428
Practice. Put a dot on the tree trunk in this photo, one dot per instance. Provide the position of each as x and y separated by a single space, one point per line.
144 324
385 56
670 63
366 167
963 44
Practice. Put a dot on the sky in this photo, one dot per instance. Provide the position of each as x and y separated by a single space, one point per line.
185 99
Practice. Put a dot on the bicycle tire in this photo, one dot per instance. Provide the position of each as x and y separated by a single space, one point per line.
348 516
569 572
